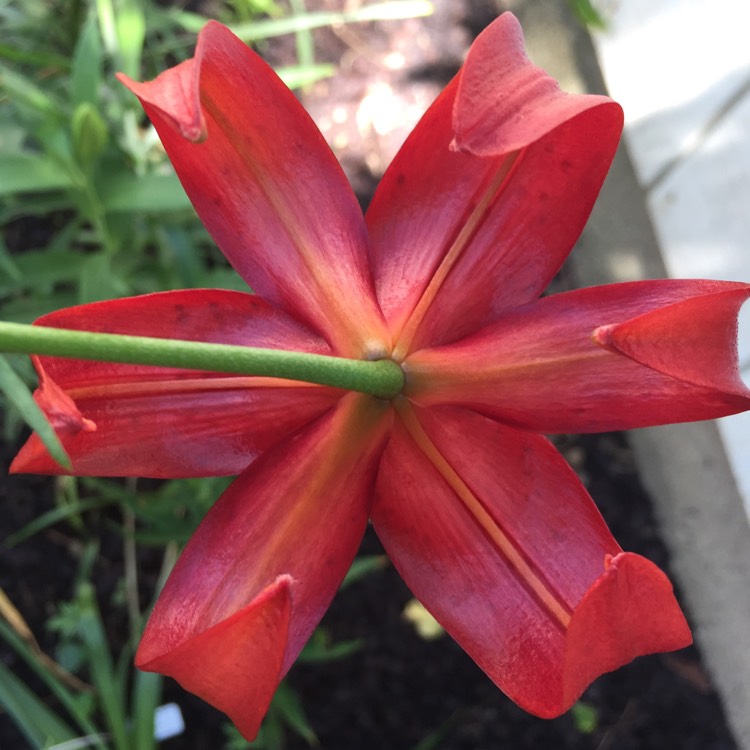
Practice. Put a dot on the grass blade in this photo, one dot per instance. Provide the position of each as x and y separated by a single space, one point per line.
53 683
146 696
52 517
299 76
363 566
109 688
587 14
125 192
19 395
131 33
39 724
21 173
86 75
304 40
256 30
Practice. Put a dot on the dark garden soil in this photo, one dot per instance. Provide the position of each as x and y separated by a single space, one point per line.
399 689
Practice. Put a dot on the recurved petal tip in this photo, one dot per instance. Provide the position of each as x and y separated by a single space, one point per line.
629 611
504 102
64 416
693 340
60 408
234 665
175 94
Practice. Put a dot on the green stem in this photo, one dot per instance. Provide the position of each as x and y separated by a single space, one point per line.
382 378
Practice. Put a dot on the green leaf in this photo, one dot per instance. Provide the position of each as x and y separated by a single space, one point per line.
585 716
26 309
98 282
31 172
51 517
233 740
147 688
388 11
89 134
86 75
587 14
298 77
320 648
270 736
287 703
36 269
22 89
179 253
110 689
19 395
303 39
130 25
153 193
40 726
8 265
34 204
363 566
38 58
224 278
170 513
75 704
105 13
434 740
256 30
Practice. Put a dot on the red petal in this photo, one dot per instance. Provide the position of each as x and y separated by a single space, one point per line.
488 195
494 533
215 316
267 187
298 512
631 611
164 422
541 367
216 663
694 340
504 102
59 408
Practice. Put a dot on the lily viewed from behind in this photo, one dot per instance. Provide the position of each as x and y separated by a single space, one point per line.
487 524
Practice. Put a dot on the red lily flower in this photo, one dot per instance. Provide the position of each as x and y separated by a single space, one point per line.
488 525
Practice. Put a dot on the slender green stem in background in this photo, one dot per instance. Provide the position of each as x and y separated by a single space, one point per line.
110 689
303 38
131 568
382 378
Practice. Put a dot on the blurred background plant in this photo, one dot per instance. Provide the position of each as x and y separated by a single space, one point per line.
91 209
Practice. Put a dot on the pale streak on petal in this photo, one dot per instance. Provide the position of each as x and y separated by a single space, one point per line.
182 385
488 195
556 607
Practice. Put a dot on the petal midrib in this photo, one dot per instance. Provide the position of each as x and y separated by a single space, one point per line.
179 386
331 300
358 423
487 194
432 375
507 547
